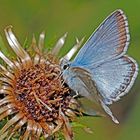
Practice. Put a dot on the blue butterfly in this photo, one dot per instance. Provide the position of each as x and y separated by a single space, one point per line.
101 72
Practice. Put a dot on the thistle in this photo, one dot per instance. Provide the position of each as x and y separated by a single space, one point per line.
34 100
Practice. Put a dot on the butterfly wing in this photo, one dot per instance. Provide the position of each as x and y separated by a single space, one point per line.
82 83
88 108
115 78
86 87
110 40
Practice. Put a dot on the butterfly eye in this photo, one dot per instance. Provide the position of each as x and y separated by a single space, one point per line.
65 66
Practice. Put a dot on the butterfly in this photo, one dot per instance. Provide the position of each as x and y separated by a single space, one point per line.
101 71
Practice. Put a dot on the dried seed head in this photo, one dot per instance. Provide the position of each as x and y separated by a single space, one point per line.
41 93
33 93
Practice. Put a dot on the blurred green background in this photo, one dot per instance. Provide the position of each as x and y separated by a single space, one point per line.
80 18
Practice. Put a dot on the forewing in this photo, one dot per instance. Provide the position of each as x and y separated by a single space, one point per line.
89 108
110 40
89 102
86 84
115 78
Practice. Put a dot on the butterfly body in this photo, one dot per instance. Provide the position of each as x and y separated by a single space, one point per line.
101 71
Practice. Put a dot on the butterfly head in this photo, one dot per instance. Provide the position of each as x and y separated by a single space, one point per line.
64 64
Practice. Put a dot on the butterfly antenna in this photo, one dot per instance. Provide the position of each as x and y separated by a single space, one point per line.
64 81
60 75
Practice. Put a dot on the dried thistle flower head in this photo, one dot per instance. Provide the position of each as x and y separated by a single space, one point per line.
33 96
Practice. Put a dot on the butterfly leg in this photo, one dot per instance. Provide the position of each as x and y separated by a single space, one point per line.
108 111
76 94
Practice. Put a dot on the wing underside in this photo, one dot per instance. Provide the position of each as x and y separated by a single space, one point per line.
87 85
